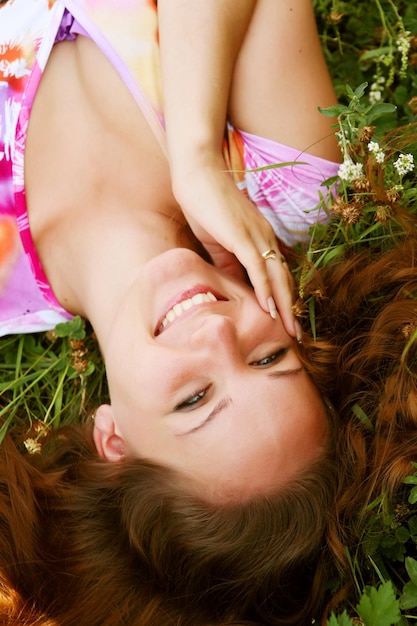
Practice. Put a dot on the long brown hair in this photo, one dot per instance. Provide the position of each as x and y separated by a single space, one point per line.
365 360
84 541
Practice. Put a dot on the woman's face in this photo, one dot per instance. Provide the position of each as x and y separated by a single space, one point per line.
202 380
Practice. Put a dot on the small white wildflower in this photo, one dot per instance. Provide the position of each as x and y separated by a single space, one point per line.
403 45
32 446
403 42
375 95
349 170
404 164
373 146
342 137
376 89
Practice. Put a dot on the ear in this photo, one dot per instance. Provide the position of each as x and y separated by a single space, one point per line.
109 444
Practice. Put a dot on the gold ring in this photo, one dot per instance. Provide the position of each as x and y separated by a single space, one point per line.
269 254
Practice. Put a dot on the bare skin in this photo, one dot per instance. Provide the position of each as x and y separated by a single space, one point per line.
270 77
103 216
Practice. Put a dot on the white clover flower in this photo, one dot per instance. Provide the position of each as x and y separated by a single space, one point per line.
373 146
349 170
404 164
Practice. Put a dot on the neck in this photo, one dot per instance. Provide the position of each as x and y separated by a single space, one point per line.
99 200
106 258
110 260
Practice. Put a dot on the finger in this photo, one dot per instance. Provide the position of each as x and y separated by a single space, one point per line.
271 279
283 293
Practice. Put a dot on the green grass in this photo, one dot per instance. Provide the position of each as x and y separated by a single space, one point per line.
49 379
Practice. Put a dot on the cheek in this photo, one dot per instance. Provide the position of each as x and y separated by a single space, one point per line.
311 415
299 418
132 368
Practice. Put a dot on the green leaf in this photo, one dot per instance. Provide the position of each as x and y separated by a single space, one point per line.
75 328
410 480
275 166
374 54
412 525
402 534
408 600
411 567
360 90
332 254
350 91
412 498
379 109
334 111
340 620
379 607
362 416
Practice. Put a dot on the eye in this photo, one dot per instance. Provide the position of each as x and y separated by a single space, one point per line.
270 358
192 401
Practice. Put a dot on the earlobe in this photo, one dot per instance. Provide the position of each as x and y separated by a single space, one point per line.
109 444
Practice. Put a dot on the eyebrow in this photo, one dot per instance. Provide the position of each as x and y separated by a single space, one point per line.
227 400
220 406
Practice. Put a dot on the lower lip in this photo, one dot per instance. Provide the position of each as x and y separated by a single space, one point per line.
186 295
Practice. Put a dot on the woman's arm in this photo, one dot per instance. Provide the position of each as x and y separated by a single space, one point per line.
200 41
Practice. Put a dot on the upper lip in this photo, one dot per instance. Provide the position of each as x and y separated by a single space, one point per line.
186 295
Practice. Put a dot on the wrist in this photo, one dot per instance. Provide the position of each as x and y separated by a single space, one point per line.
195 168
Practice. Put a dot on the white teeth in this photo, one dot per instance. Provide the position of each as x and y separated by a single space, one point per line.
179 308
199 298
187 304
171 315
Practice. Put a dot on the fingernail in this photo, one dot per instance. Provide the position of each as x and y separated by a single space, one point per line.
272 308
298 331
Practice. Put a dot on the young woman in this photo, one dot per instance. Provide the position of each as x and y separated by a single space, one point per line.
205 376
189 352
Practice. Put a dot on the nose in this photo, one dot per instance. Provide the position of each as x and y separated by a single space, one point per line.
216 332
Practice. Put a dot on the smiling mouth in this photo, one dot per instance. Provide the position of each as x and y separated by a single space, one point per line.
187 303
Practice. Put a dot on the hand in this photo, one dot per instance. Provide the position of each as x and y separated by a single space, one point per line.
234 232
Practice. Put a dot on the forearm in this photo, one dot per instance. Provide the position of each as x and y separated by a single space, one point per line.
199 41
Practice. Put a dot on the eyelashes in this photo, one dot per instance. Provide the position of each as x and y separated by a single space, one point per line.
195 399
192 401
270 358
